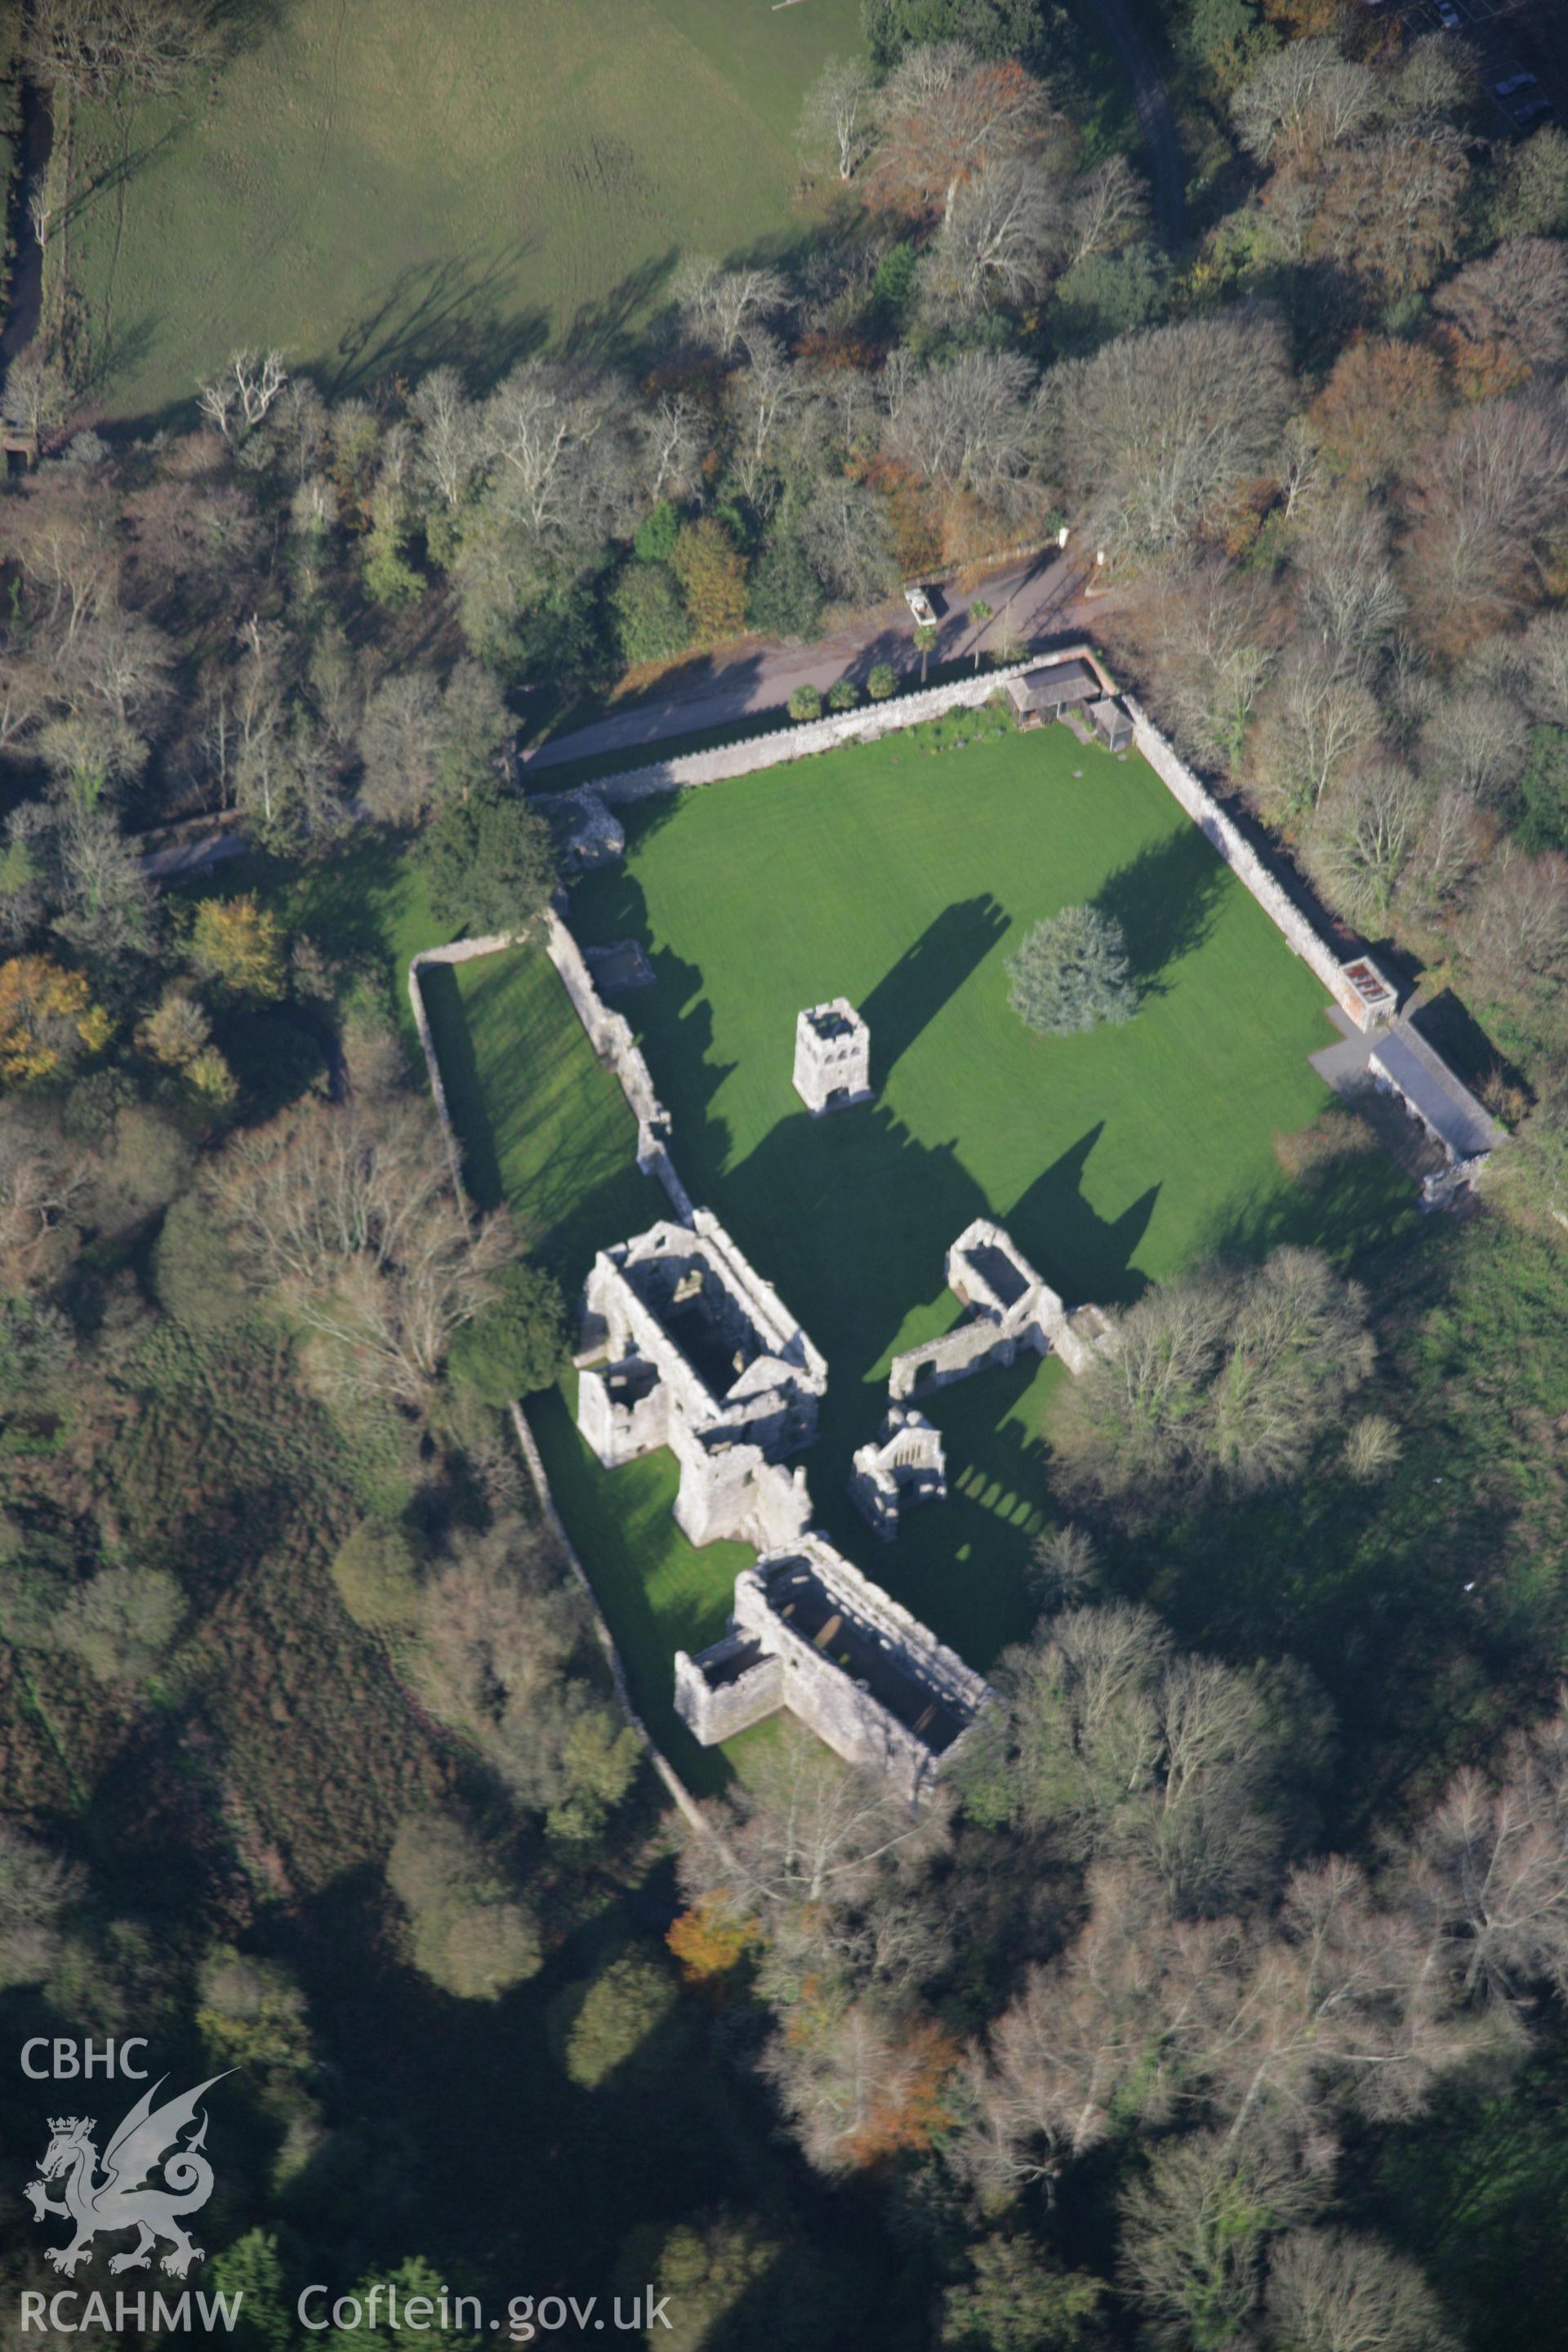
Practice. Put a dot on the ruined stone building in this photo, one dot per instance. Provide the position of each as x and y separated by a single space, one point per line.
809 1633
1009 1306
832 1056
685 1345
906 1466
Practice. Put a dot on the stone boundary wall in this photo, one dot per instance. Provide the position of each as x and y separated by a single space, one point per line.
465 952
1244 862
610 1036
800 741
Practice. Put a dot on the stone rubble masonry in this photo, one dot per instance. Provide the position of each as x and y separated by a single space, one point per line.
464 951
905 1467
811 1634
866 724
1010 1306
1359 988
610 1036
832 1057
686 1345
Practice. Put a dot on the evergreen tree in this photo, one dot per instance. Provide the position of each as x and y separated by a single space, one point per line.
1072 973
488 863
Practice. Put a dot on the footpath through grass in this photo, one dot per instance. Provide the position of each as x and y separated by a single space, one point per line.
902 880
377 186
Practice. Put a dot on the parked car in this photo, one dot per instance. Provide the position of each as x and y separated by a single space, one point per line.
1530 110
1509 83
920 605
1448 15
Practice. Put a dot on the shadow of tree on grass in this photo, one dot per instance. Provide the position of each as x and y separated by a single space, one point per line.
1166 900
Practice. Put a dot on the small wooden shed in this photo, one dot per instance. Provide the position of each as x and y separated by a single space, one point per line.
1112 723
1046 692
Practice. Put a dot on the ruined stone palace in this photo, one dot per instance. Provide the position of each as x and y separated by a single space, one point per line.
811 1634
1009 1306
685 1345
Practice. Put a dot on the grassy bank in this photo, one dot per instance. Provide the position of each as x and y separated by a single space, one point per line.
376 189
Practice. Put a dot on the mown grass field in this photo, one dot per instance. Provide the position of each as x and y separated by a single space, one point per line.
376 185
902 880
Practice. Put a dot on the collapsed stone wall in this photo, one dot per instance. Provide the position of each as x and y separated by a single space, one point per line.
610 1036
955 1354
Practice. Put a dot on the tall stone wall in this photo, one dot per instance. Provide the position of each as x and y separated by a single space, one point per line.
864 725
1244 863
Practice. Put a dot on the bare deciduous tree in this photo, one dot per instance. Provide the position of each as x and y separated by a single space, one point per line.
1304 98
1361 837
821 1856
1003 236
1195 2230
1546 668
43 1180
1163 424
347 1214
1108 207
1516 930
1477 742
724 310
1348 598
839 113
1318 722
968 425
672 436
944 118
1331 2291
1392 210
844 532
1223 1376
38 394
117 50
447 450
237 401
1511 307
399 741
1495 494
858 2081
1212 635
1489 1869
1104 1744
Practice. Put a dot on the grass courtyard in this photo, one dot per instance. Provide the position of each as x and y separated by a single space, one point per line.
902 880
377 187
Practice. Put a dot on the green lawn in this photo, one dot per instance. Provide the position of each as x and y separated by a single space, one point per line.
376 185
902 880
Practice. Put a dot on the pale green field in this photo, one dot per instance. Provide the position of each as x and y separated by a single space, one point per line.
379 184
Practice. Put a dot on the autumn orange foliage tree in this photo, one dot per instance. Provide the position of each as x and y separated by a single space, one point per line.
949 130
709 1940
238 943
46 1017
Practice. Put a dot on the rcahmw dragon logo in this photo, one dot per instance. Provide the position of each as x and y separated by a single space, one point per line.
147 2141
